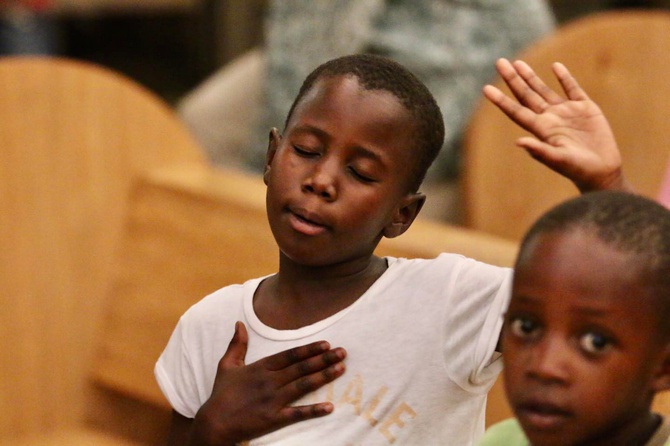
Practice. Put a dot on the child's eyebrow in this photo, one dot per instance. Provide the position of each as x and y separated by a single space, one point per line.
310 129
526 299
365 152
590 310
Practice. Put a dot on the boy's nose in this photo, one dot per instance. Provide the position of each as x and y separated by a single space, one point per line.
322 182
550 361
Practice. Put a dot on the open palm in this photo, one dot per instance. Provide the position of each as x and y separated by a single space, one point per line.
570 134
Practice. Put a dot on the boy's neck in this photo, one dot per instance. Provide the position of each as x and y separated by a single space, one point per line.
298 296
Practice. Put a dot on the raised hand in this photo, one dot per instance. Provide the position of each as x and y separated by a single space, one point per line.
570 135
248 401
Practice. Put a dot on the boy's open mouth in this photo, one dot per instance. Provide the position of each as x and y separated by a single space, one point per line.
540 415
306 223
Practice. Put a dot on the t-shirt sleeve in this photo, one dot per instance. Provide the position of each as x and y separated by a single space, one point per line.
477 296
175 375
186 369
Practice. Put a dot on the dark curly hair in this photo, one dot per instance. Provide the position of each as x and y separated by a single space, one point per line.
380 73
628 223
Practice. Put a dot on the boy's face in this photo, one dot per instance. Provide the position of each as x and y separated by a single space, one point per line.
337 179
581 353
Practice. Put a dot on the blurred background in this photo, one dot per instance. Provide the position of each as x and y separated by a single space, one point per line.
171 45
66 177
182 50
167 45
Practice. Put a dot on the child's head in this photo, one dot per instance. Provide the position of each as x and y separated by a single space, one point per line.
379 73
586 339
357 143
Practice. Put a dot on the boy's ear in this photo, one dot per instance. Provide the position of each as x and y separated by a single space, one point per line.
273 144
404 215
662 377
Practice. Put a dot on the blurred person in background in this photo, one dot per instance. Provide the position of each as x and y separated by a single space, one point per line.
451 45
27 27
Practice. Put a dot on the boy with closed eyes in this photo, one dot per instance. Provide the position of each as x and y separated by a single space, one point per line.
253 362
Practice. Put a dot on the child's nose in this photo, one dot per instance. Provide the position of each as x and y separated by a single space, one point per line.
550 361
322 181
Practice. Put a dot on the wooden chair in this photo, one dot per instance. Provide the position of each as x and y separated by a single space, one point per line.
622 60
72 135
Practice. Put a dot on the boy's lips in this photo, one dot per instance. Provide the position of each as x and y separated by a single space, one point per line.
542 415
306 222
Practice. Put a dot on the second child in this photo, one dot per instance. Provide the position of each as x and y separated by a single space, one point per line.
586 336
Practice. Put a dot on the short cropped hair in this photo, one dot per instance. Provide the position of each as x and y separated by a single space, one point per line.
630 224
380 73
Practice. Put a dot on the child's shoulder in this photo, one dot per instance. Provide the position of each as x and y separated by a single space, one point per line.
507 432
443 261
447 268
449 278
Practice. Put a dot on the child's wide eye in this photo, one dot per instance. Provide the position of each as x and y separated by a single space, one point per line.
595 343
523 327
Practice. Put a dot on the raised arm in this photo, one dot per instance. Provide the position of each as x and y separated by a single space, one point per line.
248 401
569 135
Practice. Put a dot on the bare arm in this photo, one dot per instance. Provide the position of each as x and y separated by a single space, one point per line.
248 401
180 428
569 135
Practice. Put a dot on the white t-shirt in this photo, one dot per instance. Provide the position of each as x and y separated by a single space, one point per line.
420 354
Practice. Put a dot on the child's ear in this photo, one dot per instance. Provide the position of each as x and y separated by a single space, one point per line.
404 215
662 377
273 144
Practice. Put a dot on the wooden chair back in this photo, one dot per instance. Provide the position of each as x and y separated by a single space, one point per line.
72 135
622 60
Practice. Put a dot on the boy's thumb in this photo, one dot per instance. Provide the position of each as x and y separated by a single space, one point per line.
237 349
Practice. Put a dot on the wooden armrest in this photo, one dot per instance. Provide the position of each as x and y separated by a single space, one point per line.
70 437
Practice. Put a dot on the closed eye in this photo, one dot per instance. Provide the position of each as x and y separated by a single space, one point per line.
304 152
361 177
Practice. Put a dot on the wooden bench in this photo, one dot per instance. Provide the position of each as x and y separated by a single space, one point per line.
190 230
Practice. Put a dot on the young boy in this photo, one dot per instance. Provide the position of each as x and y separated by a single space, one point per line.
586 336
420 335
